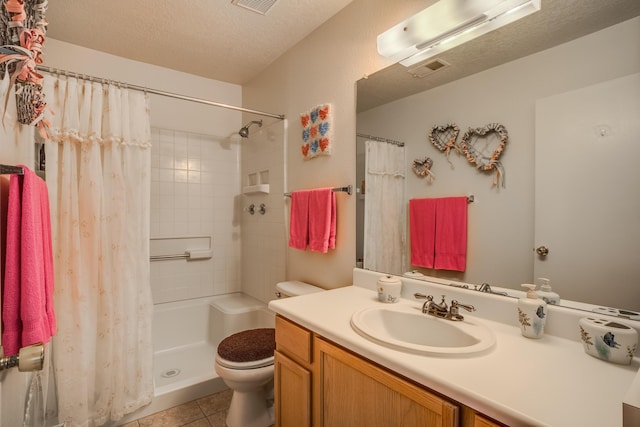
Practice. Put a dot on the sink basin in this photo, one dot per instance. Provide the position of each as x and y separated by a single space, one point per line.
406 328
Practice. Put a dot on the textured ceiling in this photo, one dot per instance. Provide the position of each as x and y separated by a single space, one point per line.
209 38
558 21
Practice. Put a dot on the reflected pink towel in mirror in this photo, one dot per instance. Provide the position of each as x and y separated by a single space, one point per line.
438 231
422 230
451 234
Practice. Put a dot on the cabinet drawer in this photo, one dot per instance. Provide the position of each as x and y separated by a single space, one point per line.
293 340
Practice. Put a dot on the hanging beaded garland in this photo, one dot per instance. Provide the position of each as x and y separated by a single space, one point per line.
22 33
477 147
444 138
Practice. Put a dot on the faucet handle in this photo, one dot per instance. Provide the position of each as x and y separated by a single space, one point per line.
418 295
455 304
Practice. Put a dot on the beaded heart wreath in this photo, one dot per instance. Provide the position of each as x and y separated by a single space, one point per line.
422 168
444 137
482 156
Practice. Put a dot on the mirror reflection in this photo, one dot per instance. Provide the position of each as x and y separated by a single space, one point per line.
570 110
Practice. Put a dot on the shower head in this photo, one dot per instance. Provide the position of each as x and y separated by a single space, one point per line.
244 131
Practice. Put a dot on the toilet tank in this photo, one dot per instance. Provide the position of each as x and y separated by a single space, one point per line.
293 288
237 312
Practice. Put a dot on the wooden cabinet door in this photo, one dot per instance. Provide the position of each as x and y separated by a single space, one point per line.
350 391
292 393
481 421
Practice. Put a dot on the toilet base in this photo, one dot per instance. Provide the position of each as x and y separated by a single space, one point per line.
252 393
250 409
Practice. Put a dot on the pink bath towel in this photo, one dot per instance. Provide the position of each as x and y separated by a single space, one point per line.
299 220
28 315
322 220
451 234
422 231
11 289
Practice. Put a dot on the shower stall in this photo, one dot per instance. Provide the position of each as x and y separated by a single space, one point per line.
199 203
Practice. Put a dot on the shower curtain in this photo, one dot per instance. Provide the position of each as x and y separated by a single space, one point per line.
384 207
98 167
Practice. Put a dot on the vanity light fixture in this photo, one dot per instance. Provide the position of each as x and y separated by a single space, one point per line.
447 24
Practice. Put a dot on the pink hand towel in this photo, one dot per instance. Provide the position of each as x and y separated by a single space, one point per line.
451 234
299 220
422 230
322 220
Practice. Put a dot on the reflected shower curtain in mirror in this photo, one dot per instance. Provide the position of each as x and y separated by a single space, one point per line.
98 173
384 232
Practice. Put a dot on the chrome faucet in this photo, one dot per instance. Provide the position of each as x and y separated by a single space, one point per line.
427 303
442 310
485 287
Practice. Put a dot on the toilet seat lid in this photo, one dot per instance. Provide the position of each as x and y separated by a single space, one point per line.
244 365
248 349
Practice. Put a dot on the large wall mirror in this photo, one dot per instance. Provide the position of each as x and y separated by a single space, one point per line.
565 83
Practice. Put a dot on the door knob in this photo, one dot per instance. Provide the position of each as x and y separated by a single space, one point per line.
542 250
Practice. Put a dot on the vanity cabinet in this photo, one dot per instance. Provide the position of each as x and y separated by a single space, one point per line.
480 421
318 383
351 391
292 389
292 374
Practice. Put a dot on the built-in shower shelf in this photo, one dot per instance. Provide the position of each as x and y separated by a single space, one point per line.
256 189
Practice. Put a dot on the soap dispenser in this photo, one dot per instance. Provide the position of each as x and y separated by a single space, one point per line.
546 293
532 313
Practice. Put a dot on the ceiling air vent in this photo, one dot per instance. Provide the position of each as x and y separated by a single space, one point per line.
428 68
259 6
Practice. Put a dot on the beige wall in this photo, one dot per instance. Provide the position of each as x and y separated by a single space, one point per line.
323 68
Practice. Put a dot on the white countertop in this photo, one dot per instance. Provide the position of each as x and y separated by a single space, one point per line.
520 382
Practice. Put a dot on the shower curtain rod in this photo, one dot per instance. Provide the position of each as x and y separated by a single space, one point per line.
380 139
57 71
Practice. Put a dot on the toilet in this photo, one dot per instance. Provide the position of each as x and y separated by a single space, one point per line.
244 361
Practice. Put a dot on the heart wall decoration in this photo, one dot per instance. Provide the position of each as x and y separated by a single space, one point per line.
317 131
422 168
444 138
483 147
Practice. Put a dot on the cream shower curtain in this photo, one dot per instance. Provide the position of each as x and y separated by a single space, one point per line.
98 166
384 207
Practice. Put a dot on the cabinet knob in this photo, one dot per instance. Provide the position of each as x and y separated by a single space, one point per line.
542 251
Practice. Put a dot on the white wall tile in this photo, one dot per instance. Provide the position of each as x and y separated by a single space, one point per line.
189 202
263 236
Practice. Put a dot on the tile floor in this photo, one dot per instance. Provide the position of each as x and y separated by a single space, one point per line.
209 411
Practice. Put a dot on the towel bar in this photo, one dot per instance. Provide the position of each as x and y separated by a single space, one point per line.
29 358
188 255
347 189
168 257
6 169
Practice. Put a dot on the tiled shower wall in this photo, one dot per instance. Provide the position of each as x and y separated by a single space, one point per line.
264 237
195 191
